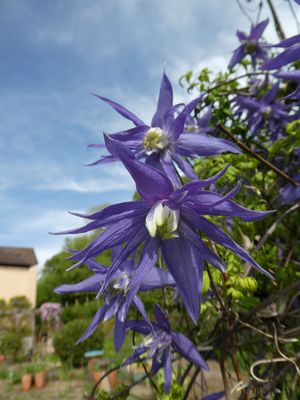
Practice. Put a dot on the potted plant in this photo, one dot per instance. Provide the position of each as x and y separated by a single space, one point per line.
26 379
39 376
97 372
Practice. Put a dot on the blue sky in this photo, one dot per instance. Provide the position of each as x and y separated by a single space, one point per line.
53 54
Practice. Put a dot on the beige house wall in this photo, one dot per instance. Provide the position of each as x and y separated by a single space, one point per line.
18 281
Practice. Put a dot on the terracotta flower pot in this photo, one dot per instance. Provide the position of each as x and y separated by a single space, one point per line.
26 382
96 376
2 357
39 379
112 379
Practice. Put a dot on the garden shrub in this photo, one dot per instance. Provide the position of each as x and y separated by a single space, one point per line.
11 344
79 311
65 342
20 302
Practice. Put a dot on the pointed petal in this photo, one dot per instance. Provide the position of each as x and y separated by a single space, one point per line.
165 101
237 56
135 239
271 95
94 324
204 121
184 166
161 318
289 42
258 30
131 136
186 348
200 144
214 396
286 57
182 260
210 203
135 356
151 184
139 326
168 372
194 238
178 124
113 212
220 237
119 336
91 284
113 235
121 110
193 187
155 279
147 261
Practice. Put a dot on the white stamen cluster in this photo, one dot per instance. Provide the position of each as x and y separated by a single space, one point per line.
163 221
155 140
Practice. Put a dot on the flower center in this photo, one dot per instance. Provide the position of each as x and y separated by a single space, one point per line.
155 140
162 221
251 47
119 285
267 112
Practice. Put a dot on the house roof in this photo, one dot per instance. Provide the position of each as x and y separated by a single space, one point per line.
17 256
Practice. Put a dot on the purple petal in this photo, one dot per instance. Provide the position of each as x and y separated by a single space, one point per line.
155 279
161 318
200 144
289 75
165 101
241 36
168 371
135 356
184 166
121 110
135 239
131 136
206 253
91 284
258 30
119 335
183 261
151 184
185 347
193 187
205 119
94 324
210 203
147 261
113 235
214 396
289 42
217 235
139 326
111 213
271 95
286 57
179 122
237 56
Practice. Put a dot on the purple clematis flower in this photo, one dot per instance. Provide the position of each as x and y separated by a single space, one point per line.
165 141
120 293
291 54
158 345
251 45
291 76
267 112
168 221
